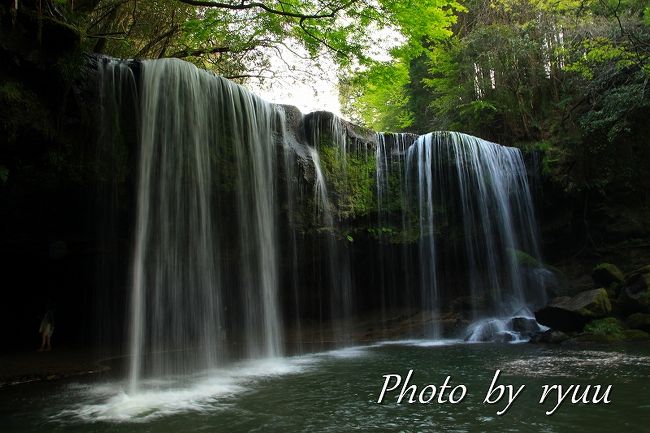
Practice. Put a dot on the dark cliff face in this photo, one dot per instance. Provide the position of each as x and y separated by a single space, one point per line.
49 188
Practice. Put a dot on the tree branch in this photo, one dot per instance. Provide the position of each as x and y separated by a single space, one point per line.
319 40
243 5
200 52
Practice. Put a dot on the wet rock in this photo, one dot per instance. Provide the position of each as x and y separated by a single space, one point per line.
503 330
635 335
572 313
607 274
551 336
485 331
639 321
524 326
504 337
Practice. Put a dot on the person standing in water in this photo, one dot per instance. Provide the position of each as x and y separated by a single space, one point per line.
46 330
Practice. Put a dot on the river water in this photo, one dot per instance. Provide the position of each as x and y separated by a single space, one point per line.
337 391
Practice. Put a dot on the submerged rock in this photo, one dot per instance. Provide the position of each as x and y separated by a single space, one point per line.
551 336
572 313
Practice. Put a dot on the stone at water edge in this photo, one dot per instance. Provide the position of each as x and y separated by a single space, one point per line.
524 326
635 335
504 331
551 336
572 313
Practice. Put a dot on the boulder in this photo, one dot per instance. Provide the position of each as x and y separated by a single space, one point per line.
606 275
488 330
572 313
639 321
635 295
523 326
503 330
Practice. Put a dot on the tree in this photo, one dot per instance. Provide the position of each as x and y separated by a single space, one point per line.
237 38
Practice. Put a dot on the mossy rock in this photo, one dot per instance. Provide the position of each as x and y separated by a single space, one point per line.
572 313
639 321
596 303
607 275
635 335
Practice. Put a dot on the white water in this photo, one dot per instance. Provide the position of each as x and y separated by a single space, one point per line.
208 391
172 395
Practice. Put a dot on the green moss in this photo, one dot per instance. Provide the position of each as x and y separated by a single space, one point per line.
23 112
4 174
601 305
609 327
351 181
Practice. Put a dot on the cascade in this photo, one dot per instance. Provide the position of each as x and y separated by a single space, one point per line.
246 223
191 123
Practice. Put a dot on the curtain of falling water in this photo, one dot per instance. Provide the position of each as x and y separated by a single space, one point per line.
460 180
293 193
470 199
188 116
206 257
394 264
419 160
339 272
252 125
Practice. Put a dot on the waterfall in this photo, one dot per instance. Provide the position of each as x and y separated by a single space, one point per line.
251 219
192 122
473 208
328 132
